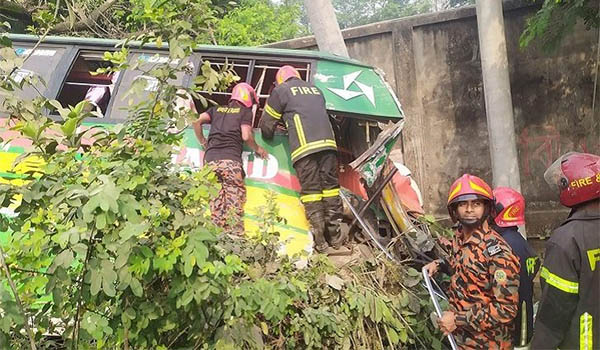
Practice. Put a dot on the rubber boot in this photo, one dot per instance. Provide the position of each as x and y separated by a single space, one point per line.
316 218
333 220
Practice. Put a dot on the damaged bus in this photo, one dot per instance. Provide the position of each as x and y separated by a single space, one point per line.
359 102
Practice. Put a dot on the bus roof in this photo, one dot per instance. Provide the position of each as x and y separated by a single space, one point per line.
310 54
349 86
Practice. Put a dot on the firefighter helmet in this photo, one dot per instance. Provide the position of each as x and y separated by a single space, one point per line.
284 73
245 94
577 177
510 206
469 187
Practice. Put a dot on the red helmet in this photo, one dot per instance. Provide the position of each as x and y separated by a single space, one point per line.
284 73
577 176
510 206
468 187
245 94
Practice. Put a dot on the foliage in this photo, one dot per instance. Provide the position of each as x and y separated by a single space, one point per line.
257 22
351 13
249 22
556 19
111 247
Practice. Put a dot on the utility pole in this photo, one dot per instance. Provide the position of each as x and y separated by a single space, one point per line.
325 27
498 101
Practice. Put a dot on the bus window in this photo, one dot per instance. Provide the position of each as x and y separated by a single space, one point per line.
43 62
147 61
241 68
81 84
263 80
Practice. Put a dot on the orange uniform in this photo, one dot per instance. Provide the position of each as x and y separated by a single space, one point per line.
483 290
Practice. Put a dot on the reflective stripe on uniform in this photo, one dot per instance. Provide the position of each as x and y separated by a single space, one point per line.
300 130
272 112
313 145
311 198
559 282
586 334
331 193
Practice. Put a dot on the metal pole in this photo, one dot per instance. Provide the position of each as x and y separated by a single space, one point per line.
498 101
367 228
325 26
436 305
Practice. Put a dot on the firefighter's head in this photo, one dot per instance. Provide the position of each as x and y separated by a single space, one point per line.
244 94
510 206
470 201
576 176
284 73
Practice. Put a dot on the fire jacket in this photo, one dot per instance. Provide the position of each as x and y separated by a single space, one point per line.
301 106
483 291
569 311
530 264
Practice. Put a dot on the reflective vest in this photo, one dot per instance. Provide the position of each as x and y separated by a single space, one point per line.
300 106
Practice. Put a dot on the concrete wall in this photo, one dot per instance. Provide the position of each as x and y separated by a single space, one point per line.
434 62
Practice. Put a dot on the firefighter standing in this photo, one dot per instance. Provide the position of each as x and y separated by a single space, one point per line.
484 281
510 209
231 125
301 107
569 311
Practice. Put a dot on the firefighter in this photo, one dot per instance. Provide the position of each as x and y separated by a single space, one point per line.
231 126
484 273
569 311
510 209
300 106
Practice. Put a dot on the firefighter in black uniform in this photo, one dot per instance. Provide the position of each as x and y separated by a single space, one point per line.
300 106
569 311
510 206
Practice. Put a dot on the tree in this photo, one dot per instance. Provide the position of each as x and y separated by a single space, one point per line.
249 22
556 19
351 13
257 22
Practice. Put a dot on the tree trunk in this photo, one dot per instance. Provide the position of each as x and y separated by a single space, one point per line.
325 27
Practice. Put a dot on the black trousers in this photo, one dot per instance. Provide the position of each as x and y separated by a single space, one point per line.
318 176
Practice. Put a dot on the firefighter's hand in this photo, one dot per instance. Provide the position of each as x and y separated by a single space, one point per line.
261 152
433 267
447 322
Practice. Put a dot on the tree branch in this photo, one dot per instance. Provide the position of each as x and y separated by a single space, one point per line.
86 22
11 283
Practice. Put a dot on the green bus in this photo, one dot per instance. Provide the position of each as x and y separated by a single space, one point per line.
357 99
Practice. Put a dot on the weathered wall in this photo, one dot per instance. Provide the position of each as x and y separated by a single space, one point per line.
434 63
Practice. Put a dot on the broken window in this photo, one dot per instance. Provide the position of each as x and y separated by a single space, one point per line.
240 66
147 61
81 84
44 62
263 80
260 74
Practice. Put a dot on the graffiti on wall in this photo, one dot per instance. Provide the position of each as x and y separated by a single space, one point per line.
539 147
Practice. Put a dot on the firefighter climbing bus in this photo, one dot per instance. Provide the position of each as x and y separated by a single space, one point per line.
358 100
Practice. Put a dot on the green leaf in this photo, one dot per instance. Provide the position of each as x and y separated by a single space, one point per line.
393 336
69 127
109 277
136 287
131 230
96 282
189 262
65 258
100 221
